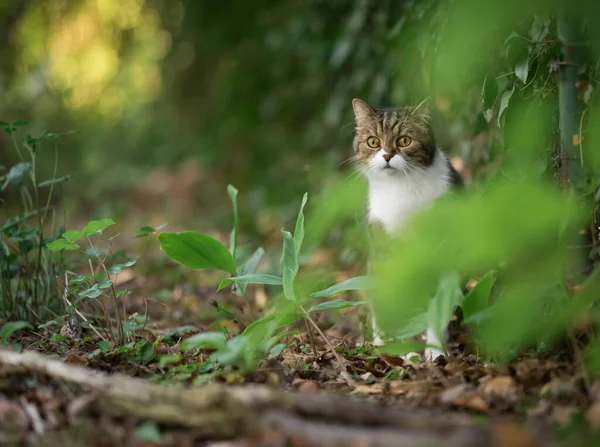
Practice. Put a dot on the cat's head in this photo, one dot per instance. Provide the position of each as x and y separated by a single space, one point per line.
392 142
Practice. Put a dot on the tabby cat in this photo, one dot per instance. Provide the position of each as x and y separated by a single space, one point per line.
405 170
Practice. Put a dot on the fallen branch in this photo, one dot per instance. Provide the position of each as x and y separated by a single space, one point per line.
217 411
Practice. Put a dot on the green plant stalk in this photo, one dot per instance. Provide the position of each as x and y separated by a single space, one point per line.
569 118
38 265
120 330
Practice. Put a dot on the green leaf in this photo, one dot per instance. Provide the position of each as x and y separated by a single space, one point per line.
504 104
401 347
252 278
118 268
61 244
236 352
233 237
522 70
20 123
11 327
489 92
477 299
4 123
358 283
145 231
249 267
72 236
443 303
276 350
104 283
289 265
149 432
299 230
97 226
205 340
54 181
79 279
197 251
92 292
17 173
336 304
412 326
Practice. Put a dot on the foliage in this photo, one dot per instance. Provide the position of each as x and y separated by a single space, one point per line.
27 273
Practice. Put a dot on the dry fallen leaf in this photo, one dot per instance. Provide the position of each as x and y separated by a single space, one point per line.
376 388
450 395
563 414
502 387
472 401
593 416
509 434
12 416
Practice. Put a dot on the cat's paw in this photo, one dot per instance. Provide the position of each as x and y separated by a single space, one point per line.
431 354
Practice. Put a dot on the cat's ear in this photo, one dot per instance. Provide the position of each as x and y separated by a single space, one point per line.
423 109
362 110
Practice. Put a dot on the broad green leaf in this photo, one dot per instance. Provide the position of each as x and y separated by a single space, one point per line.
197 251
92 292
336 304
299 230
504 104
478 297
401 347
233 237
61 244
54 181
276 350
412 327
79 279
358 283
97 226
72 236
287 313
118 268
236 352
252 278
4 123
104 283
20 123
289 265
443 303
522 70
205 340
11 327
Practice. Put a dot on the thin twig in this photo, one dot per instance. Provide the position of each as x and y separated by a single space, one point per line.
318 329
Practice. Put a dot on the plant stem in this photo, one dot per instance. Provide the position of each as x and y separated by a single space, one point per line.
320 332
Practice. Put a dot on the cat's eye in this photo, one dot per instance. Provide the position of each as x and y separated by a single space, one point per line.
404 141
373 142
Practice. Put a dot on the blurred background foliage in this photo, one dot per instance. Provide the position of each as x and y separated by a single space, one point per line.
173 100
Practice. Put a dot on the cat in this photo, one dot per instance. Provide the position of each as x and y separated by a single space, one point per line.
405 171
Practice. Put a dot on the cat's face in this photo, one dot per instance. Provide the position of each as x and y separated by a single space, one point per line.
391 143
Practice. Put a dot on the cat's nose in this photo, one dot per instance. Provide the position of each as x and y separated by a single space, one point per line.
387 157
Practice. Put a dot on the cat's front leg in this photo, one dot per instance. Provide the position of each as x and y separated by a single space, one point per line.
434 348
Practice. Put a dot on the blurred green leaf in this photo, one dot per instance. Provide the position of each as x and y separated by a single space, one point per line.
72 236
91 292
276 350
118 268
478 297
54 181
289 265
149 432
197 251
17 173
233 237
444 302
252 278
336 304
522 70
97 226
61 244
504 101
299 230
401 347
358 283
205 340
10 327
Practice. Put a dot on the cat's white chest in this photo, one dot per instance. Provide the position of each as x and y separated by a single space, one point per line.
394 198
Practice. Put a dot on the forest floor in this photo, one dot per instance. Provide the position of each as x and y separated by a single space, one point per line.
530 401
